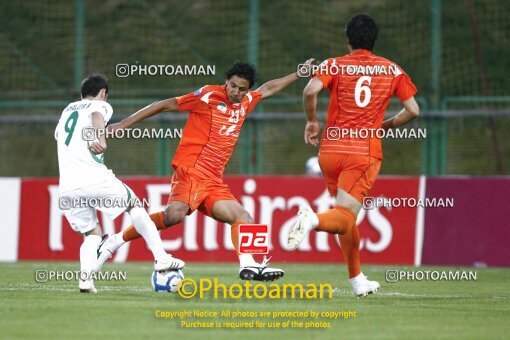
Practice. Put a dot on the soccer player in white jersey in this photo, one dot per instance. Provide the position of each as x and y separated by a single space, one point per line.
84 179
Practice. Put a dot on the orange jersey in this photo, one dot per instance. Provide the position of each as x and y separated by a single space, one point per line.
361 85
213 128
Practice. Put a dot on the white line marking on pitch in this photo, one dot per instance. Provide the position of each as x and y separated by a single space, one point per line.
424 295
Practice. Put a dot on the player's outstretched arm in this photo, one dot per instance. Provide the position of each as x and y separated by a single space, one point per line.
98 147
410 111
274 86
312 128
167 105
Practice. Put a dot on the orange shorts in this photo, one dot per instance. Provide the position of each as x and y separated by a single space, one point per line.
198 190
355 174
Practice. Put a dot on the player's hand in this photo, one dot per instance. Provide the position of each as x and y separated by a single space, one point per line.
305 68
113 127
312 130
97 148
387 124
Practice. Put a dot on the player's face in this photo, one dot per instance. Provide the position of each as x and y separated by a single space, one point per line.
237 88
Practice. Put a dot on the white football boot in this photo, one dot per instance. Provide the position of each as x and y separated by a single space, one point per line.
109 245
306 221
361 286
168 262
260 272
87 286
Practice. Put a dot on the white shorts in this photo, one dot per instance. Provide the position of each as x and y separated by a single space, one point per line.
111 197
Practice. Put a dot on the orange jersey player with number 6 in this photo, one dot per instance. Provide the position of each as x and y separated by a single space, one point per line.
361 85
216 117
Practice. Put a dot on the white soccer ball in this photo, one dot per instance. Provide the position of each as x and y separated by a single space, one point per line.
312 166
166 280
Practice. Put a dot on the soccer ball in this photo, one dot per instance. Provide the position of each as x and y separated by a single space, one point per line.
312 166
166 280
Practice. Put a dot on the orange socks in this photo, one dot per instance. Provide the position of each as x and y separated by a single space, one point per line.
336 221
350 248
234 234
342 221
130 233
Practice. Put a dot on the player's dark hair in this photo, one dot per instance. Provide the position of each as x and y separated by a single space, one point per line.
362 32
94 83
243 70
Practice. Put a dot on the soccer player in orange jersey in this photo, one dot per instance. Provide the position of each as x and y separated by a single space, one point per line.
216 116
360 85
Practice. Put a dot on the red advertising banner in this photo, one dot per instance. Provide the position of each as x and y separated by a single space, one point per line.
475 231
387 233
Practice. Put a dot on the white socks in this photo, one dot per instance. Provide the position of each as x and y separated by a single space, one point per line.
145 227
357 279
246 260
119 241
315 220
88 255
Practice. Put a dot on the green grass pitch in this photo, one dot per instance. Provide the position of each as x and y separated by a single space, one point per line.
126 309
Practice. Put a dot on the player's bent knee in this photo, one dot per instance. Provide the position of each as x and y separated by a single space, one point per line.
245 217
173 218
174 215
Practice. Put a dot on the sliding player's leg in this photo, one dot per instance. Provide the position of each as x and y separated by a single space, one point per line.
225 208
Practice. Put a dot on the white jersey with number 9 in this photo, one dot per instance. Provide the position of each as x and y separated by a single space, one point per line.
78 166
